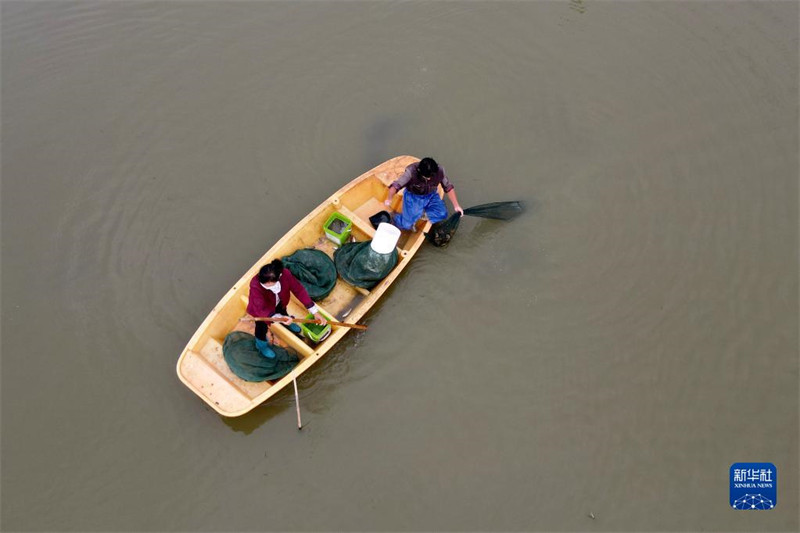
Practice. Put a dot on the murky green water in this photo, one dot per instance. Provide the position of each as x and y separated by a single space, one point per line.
611 353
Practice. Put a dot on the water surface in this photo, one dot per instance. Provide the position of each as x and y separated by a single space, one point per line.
612 352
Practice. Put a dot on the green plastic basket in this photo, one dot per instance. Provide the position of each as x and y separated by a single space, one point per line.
338 228
317 332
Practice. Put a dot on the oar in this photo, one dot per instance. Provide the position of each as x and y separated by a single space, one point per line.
303 321
297 402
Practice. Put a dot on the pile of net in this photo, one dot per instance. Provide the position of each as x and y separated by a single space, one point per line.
247 362
441 232
361 266
314 269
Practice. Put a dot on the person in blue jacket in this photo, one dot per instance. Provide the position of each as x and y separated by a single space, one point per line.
421 181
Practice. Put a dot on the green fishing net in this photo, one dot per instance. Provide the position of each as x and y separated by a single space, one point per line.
314 269
441 232
496 210
247 362
361 266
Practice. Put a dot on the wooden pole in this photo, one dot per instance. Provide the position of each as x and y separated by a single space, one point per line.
303 321
297 403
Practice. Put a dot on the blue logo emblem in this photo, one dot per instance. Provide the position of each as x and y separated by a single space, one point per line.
754 486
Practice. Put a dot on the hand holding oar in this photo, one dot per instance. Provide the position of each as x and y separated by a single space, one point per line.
302 321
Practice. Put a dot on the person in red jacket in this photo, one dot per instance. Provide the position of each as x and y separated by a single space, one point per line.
270 291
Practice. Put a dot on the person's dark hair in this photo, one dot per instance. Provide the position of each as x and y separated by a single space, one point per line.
427 167
271 272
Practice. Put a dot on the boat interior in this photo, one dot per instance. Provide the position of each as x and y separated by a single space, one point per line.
204 365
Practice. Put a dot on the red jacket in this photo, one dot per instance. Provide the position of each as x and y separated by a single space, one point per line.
263 303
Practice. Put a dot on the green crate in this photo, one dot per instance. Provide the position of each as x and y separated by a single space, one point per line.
317 332
338 228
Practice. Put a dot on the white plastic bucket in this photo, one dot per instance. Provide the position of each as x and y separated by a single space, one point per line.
385 239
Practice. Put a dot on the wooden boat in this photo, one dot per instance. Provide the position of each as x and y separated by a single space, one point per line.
201 366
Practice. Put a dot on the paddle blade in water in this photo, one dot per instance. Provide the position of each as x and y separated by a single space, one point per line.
441 232
496 210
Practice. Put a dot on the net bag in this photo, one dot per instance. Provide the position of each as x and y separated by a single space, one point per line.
441 232
496 210
314 269
247 362
361 266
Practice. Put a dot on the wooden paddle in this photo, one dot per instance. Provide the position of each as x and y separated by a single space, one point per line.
297 403
303 321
